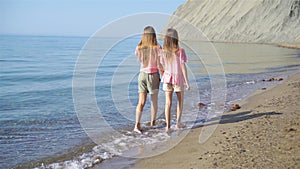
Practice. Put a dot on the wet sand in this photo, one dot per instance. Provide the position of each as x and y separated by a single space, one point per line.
264 133
288 45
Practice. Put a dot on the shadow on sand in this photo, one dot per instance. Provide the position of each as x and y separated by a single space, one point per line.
231 118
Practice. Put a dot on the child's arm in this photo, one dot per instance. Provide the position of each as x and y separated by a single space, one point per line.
160 68
185 76
160 61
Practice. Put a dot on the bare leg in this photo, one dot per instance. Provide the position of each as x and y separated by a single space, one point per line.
139 110
154 107
168 109
180 100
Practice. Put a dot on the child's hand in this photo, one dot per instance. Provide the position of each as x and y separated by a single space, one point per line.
187 87
161 71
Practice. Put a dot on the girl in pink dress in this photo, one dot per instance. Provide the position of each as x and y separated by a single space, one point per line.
175 74
148 52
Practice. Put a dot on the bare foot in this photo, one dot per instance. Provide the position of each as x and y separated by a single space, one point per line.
152 123
179 125
137 130
168 129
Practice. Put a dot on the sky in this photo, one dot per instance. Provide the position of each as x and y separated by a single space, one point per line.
72 17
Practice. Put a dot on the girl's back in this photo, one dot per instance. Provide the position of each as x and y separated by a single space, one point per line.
149 58
172 66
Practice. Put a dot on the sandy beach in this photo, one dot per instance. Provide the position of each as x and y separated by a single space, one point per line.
264 133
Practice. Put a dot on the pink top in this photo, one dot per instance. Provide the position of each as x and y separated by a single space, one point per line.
149 59
173 72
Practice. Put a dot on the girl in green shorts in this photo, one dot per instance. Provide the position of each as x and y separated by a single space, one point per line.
148 53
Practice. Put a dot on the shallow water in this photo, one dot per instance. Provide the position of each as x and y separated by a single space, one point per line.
37 111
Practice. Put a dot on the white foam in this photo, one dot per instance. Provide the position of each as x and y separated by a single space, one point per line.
116 145
86 160
250 82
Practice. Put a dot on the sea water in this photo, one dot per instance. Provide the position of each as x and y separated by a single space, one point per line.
40 117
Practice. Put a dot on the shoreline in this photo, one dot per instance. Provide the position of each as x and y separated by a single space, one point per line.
283 44
288 45
264 133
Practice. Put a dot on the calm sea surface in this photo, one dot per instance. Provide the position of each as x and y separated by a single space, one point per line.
43 116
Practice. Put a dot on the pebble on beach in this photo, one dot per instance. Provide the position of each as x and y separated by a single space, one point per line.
235 107
272 79
201 105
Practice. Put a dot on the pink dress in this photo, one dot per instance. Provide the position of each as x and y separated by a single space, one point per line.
173 72
149 63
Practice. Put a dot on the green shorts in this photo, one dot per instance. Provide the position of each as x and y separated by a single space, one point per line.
148 82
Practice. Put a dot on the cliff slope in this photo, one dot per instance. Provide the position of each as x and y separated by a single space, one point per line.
266 21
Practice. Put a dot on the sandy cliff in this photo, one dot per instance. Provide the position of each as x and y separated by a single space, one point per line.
266 21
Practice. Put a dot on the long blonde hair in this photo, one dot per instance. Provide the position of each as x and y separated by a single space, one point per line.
171 45
147 44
